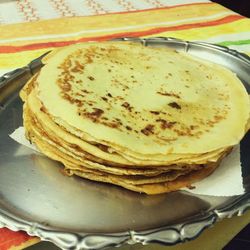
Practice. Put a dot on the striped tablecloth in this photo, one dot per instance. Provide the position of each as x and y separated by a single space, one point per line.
28 28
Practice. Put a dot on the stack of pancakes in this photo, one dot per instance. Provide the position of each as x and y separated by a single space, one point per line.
151 120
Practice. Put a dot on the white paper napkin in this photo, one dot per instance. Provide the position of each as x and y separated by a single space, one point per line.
226 180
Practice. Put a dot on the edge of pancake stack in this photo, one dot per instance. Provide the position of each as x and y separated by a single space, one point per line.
151 120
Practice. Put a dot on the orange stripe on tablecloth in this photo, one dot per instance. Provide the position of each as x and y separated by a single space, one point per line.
10 238
28 243
64 26
227 19
12 49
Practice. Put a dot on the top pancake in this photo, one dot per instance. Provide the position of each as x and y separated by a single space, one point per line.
143 102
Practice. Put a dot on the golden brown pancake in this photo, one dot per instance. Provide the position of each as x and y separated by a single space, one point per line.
148 119
171 105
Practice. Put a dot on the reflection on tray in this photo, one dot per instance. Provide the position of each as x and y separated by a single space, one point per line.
116 207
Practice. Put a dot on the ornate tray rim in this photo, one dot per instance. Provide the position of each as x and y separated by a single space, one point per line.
167 235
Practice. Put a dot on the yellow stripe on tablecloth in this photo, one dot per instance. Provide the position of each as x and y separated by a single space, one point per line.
116 21
203 33
20 59
12 60
70 29
109 30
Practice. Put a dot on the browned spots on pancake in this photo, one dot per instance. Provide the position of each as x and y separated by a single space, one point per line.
91 78
94 115
67 97
174 105
128 127
184 130
154 112
97 117
127 106
88 58
181 132
193 127
65 86
86 91
117 120
43 109
165 124
112 124
169 94
104 98
149 129
78 67
78 103
218 118
97 112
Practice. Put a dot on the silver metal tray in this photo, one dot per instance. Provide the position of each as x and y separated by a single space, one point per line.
79 214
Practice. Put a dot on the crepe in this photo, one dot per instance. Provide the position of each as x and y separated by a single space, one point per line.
99 149
149 82
163 182
148 119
